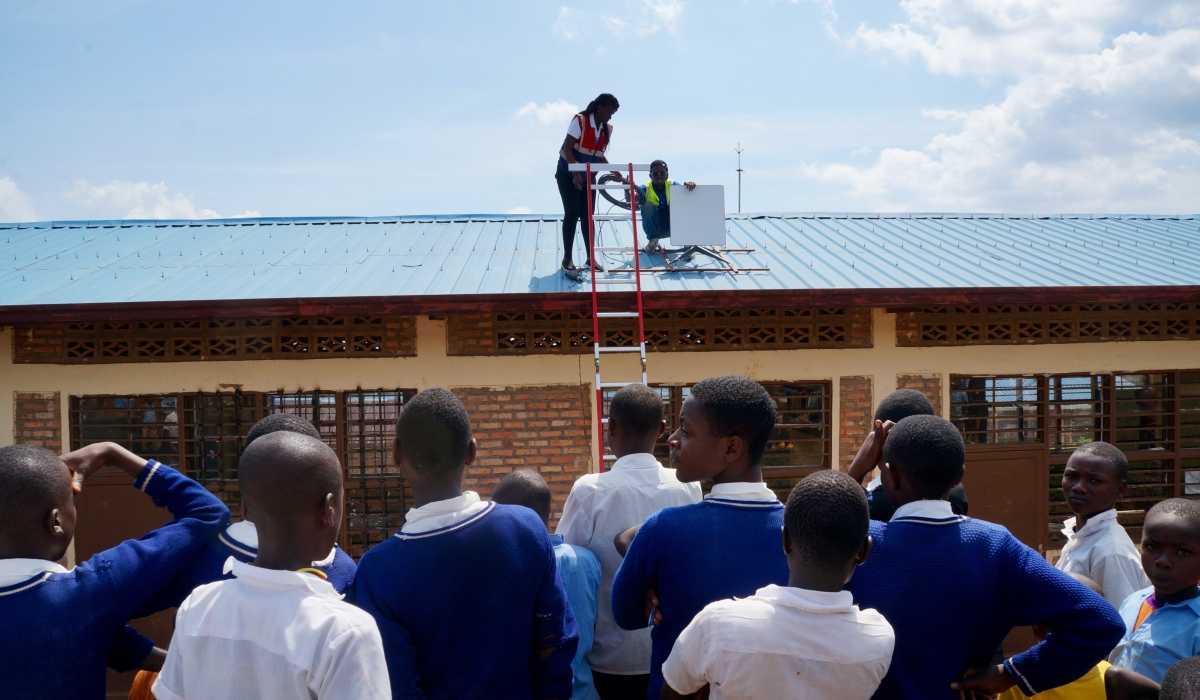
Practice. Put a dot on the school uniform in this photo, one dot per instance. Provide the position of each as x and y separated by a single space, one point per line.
1104 552
272 635
579 572
1156 636
59 624
601 506
466 595
1089 687
782 642
240 541
953 587
729 544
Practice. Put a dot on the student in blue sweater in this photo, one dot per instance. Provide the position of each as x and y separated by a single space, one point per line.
467 594
1162 622
684 558
953 587
58 624
578 569
131 649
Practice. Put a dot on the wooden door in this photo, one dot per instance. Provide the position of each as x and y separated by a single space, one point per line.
1008 487
110 512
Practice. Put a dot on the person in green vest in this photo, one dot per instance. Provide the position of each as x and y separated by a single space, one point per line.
655 197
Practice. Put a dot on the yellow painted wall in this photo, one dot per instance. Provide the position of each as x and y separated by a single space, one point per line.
432 367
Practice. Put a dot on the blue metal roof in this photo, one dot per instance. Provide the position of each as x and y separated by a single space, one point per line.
107 262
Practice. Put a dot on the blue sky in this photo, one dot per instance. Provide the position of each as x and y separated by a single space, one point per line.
174 109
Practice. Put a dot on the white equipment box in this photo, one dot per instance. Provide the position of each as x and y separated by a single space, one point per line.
698 216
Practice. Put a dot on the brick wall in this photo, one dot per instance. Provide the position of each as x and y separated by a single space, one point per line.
545 428
37 419
928 384
856 410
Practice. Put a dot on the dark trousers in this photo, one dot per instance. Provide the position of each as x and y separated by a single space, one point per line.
610 687
575 210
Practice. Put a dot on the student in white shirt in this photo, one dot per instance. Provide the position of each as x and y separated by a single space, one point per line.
803 640
278 630
1097 546
602 505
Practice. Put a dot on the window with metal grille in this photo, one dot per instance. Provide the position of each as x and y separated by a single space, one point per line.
202 434
800 444
1153 417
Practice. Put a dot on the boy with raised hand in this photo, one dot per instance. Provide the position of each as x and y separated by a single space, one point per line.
578 569
1097 546
131 649
1162 622
600 506
467 594
57 623
277 630
684 558
803 640
953 587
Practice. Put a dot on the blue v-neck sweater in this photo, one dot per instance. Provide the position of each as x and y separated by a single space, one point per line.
467 610
58 627
952 589
694 555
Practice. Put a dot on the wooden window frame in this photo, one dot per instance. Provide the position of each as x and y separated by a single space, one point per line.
210 427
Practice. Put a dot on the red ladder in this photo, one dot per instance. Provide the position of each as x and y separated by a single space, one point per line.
613 278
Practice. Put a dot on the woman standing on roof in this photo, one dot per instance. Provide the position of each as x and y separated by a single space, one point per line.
588 136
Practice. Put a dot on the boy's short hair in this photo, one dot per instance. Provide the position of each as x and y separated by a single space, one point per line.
901 404
637 408
284 474
1182 680
736 405
434 431
929 451
31 477
1182 507
1090 583
1104 450
827 518
276 422
524 487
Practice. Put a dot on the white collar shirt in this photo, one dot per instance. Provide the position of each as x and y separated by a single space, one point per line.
440 514
600 507
783 643
272 635
755 491
1103 551
14 571
928 511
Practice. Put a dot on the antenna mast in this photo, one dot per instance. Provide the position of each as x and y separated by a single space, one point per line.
739 150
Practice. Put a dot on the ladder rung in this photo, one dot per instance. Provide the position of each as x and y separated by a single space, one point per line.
607 167
615 385
610 458
610 186
612 217
634 349
625 248
617 314
603 420
616 281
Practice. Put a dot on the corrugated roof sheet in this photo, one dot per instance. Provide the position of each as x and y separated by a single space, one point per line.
105 262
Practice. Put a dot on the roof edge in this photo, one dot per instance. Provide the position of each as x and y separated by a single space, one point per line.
420 305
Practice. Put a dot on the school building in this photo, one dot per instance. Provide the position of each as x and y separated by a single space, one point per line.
1034 334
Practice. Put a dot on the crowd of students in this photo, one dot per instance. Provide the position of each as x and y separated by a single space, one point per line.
648 589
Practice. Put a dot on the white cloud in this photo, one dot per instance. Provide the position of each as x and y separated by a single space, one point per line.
519 210
653 16
549 112
1089 123
141 200
564 26
14 204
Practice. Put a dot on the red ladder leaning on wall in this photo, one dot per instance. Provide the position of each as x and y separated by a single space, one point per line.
613 278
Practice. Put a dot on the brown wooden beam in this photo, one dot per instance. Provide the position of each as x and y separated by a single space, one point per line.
893 299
